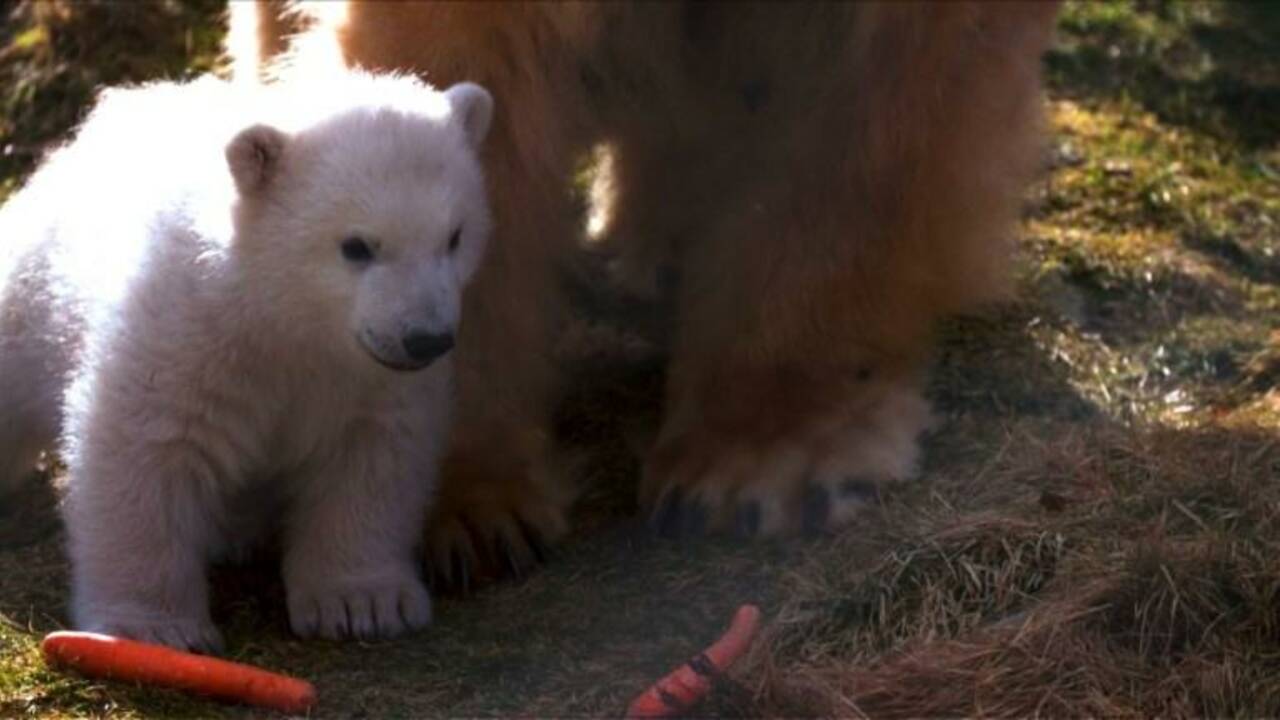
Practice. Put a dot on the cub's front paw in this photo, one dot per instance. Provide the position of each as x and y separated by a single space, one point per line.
182 633
369 607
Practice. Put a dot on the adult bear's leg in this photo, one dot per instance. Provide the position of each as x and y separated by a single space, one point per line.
867 192
498 504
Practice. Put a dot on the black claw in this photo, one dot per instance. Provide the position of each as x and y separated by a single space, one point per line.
440 576
746 521
533 539
667 278
859 488
755 95
666 521
465 579
815 509
460 572
503 549
694 519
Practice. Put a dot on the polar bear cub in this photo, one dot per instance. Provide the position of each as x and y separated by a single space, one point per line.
234 305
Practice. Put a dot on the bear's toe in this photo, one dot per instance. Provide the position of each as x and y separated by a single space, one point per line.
802 480
356 610
181 634
497 535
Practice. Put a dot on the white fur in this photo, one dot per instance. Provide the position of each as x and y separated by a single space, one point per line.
212 362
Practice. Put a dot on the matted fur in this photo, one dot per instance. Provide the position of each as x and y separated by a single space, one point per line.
826 178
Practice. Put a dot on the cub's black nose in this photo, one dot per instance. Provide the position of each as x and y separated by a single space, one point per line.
425 347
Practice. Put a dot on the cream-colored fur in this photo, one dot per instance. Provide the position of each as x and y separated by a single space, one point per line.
185 303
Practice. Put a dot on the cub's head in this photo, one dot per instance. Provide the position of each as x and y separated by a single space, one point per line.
362 222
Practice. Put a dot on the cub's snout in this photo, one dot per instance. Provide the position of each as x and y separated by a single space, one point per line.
415 350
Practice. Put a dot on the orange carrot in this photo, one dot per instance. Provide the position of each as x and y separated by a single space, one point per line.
689 683
129 660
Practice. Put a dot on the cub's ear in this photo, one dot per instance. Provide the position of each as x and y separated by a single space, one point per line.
253 156
472 109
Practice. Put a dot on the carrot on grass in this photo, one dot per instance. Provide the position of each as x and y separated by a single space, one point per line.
689 683
115 658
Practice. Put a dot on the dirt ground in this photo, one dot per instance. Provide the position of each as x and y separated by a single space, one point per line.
1095 532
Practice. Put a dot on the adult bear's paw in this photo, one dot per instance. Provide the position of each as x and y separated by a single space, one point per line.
491 520
770 475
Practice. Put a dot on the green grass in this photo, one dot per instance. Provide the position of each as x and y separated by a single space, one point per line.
55 54
1096 528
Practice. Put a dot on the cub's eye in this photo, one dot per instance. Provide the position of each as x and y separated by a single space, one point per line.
455 239
356 250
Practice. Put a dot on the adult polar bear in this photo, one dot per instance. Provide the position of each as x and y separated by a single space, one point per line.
828 179
199 293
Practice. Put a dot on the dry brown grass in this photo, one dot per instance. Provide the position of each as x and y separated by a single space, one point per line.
1141 581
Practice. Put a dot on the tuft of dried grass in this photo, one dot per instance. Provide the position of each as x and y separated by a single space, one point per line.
1151 588
940 585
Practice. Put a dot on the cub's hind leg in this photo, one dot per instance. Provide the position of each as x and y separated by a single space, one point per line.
40 339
